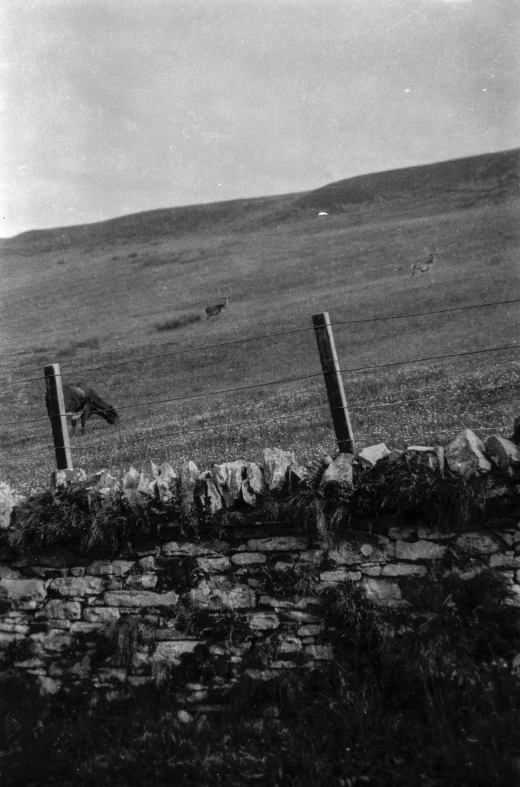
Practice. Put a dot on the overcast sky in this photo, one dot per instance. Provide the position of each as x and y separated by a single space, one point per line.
111 107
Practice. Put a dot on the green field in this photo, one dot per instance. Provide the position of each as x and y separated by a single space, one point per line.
125 296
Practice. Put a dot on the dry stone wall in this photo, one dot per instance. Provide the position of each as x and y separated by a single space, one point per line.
213 612
246 600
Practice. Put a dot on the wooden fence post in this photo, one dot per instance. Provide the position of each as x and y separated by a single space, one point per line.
333 382
56 406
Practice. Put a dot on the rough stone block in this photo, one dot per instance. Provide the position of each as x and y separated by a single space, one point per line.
289 644
116 568
145 581
62 610
23 593
100 615
477 543
319 652
172 650
228 478
276 603
339 472
383 592
362 548
77 586
206 493
504 453
276 465
51 641
8 573
340 576
504 561
373 454
465 454
263 621
419 550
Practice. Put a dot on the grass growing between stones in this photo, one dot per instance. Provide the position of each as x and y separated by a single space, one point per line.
416 696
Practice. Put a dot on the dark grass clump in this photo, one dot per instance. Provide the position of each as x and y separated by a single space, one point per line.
408 488
73 519
420 695
180 322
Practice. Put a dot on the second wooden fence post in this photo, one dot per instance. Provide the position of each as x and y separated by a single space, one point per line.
56 408
333 382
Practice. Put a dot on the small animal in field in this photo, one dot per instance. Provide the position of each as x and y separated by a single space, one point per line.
214 311
424 267
81 402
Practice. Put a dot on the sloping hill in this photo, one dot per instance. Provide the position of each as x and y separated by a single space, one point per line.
489 176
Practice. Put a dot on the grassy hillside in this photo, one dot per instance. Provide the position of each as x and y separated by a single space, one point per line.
134 288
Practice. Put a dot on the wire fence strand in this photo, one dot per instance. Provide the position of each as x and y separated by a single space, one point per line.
261 337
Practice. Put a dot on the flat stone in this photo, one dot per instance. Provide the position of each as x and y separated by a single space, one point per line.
278 544
419 550
429 534
311 630
465 454
135 598
177 548
248 558
289 644
100 615
340 576
362 548
504 561
213 565
404 570
263 621
78 586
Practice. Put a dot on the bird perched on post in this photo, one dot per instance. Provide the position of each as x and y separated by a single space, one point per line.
424 267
